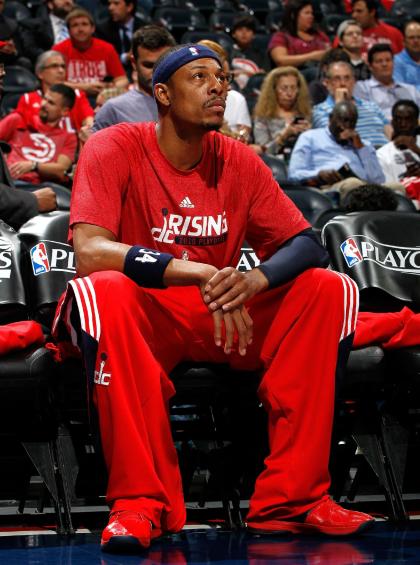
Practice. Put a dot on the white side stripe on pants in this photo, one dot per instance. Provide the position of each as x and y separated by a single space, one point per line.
351 305
86 303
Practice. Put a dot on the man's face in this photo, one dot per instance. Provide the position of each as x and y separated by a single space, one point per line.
52 107
339 76
412 39
362 15
80 29
197 94
54 71
61 8
404 121
144 66
243 36
352 38
120 11
343 119
382 66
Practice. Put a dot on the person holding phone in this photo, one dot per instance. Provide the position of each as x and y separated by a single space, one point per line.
282 113
400 158
335 157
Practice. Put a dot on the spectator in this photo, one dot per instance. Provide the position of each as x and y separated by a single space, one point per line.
370 198
246 60
282 112
365 12
11 41
382 88
317 89
119 28
407 63
105 95
41 150
340 84
18 206
400 158
335 157
138 104
50 68
298 43
92 63
47 28
350 39
237 115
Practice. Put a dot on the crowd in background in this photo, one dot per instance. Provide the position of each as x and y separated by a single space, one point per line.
339 106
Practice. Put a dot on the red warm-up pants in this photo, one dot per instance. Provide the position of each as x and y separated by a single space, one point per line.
142 334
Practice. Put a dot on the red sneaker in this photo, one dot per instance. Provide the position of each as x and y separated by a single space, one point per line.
128 531
327 518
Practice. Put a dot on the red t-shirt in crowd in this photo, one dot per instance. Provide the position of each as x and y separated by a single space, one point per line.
35 141
94 64
123 183
296 45
30 103
381 33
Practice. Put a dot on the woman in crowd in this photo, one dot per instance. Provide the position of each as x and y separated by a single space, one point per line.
282 112
298 43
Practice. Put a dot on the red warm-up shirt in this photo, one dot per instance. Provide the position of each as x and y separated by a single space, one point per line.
93 64
125 184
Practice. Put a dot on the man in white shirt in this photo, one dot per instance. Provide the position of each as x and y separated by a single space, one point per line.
381 88
400 158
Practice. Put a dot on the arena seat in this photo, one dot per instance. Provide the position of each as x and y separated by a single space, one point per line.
179 20
222 20
273 20
386 283
19 79
253 88
28 415
222 38
311 202
9 102
16 10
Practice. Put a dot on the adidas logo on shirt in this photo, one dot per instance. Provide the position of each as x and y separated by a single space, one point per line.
186 203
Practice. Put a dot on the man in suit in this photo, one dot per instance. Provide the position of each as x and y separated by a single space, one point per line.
118 29
47 28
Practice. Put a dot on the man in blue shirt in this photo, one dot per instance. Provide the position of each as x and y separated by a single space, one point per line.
407 63
371 123
335 157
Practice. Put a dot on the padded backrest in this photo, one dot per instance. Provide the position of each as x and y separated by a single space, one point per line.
278 167
180 18
16 10
19 79
311 202
12 290
381 252
48 262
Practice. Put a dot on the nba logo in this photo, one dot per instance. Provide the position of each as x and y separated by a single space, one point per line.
39 258
351 252
193 51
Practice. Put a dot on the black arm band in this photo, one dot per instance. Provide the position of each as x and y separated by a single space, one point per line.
299 253
146 266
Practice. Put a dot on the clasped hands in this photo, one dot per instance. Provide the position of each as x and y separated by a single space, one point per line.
225 294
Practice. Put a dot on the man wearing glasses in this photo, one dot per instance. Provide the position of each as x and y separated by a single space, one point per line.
50 68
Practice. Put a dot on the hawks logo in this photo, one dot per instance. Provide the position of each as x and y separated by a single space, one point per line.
351 252
43 151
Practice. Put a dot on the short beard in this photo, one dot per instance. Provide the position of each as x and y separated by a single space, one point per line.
212 127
